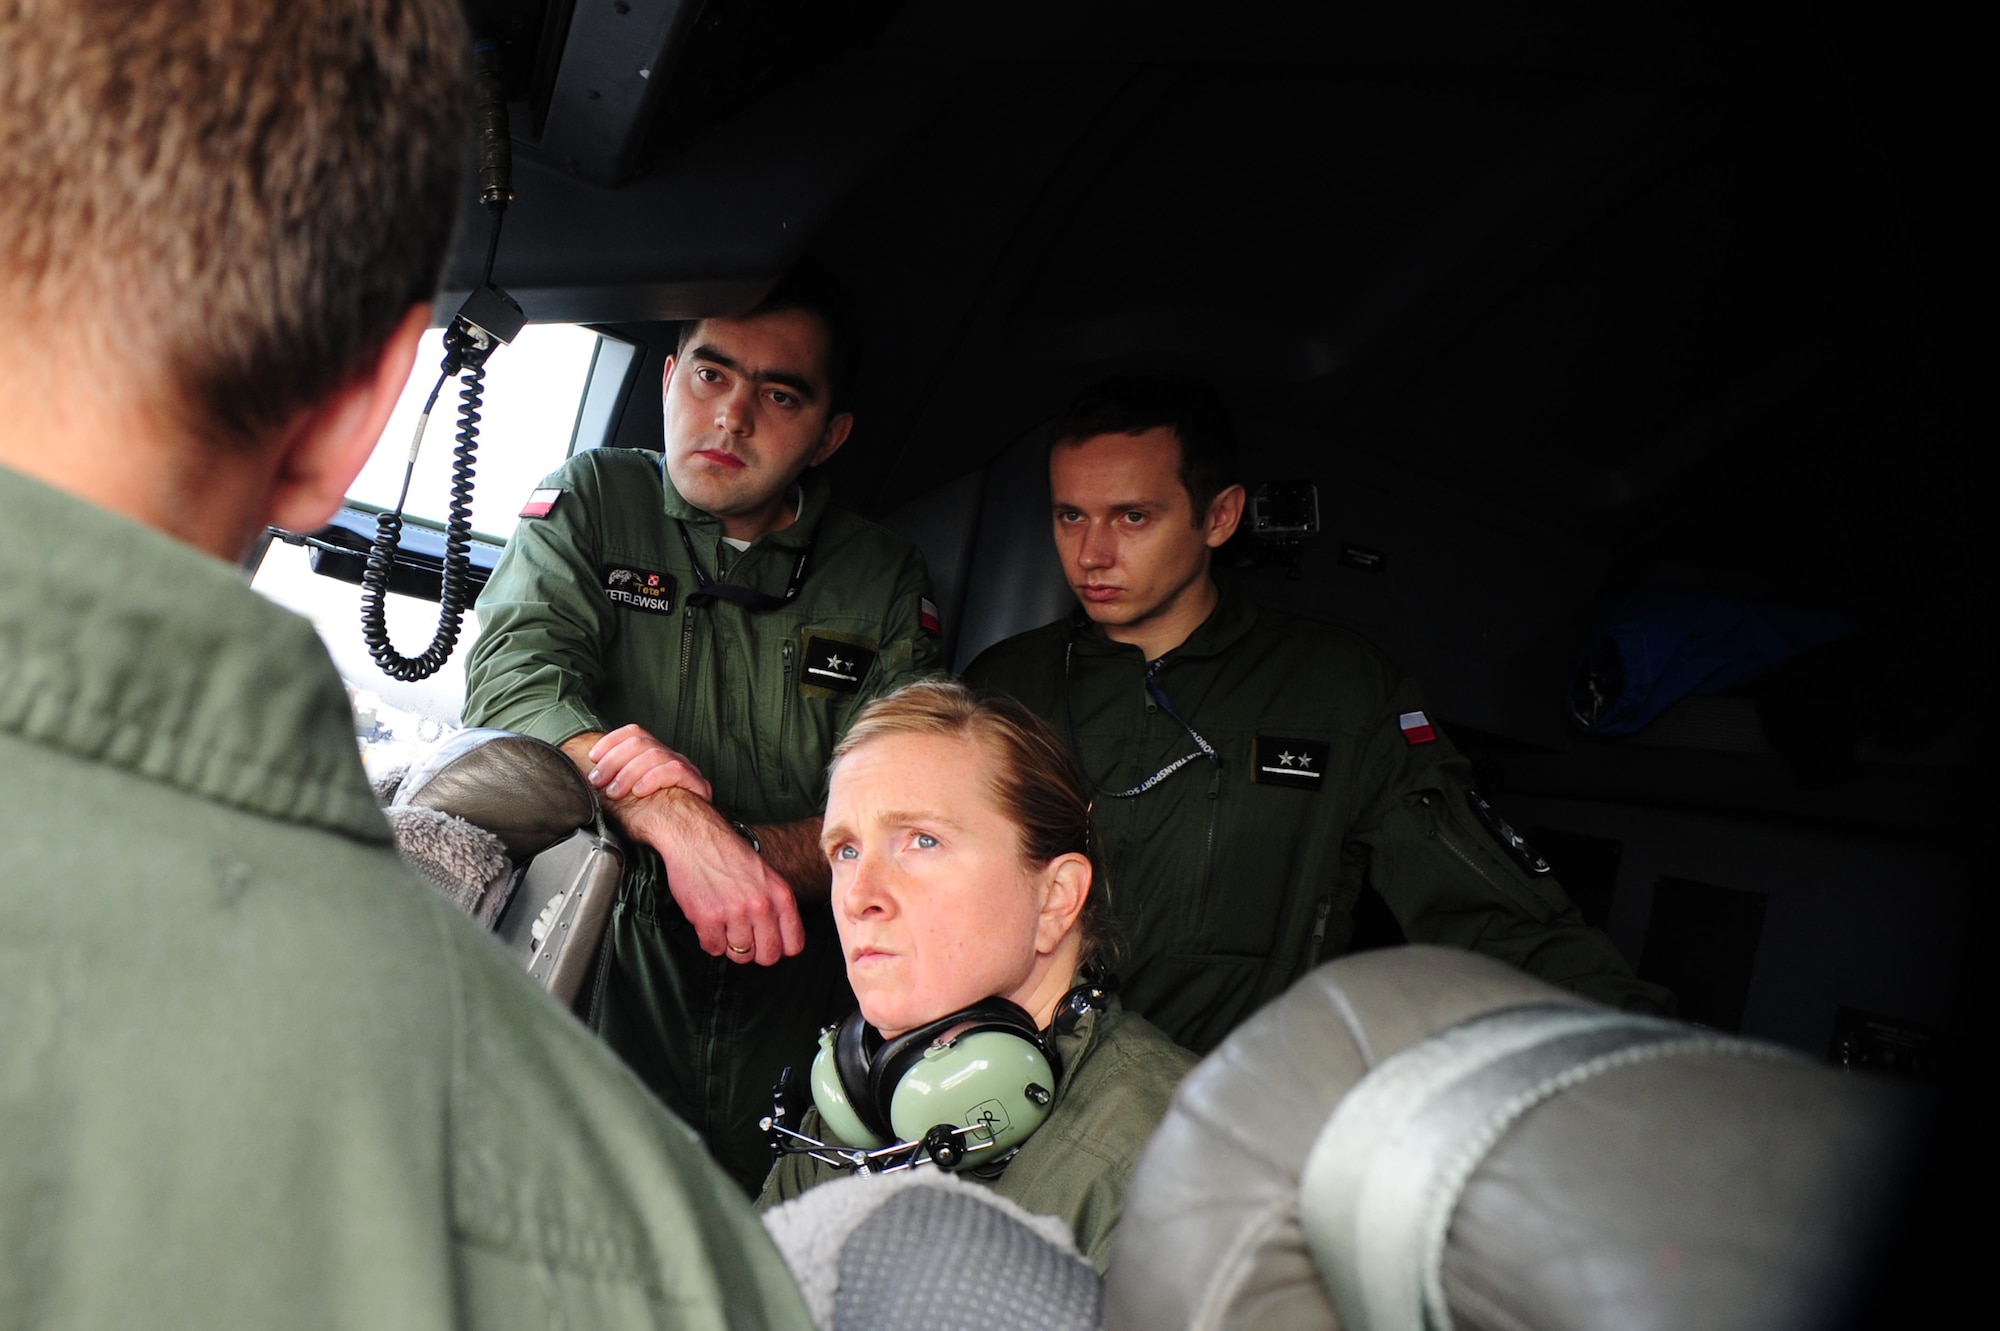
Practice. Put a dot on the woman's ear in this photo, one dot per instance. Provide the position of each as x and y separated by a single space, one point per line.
1067 887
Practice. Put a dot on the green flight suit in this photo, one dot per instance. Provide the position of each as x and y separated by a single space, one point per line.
253 1073
1229 882
585 626
1118 1072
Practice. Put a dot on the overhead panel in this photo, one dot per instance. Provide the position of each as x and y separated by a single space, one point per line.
616 62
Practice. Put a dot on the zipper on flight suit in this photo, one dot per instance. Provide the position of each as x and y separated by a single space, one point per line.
1437 831
1320 916
1537 908
1208 847
687 655
785 715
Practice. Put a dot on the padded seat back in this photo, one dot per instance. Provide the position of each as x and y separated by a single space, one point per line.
1421 1137
986 537
566 863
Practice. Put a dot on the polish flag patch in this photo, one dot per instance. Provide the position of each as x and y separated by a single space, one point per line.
927 616
541 503
1417 728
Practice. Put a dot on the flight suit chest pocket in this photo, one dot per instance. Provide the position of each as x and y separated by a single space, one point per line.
833 665
824 673
1290 762
631 588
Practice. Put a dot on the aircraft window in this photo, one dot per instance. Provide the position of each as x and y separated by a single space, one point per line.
534 388
543 400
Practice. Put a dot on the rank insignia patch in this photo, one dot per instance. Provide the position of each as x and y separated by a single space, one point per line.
1285 761
836 666
639 589
1417 727
541 503
1502 831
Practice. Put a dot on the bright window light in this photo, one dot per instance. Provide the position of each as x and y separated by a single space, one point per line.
533 389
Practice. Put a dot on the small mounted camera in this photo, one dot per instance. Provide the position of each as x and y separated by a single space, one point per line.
1284 511
1282 514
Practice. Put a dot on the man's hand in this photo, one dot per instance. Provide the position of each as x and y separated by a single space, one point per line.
629 763
738 904
741 906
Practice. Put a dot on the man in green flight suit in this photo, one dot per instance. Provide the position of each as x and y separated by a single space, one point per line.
696 628
1254 770
254 1073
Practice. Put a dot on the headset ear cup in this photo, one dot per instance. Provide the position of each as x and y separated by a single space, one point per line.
856 1052
893 1061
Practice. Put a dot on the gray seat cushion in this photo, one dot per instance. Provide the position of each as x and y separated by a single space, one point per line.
1210 1236
1601 1170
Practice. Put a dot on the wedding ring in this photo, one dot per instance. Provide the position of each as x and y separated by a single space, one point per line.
739 951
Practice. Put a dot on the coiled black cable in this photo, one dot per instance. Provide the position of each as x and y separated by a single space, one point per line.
452 599
466 346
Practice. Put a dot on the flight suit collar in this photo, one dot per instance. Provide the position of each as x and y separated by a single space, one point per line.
1074 1045
706 528
135 652
1233 617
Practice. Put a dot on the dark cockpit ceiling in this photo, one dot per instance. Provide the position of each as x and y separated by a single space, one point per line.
1672 291
1638 280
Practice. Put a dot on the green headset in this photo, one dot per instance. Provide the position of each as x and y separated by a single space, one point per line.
970 1087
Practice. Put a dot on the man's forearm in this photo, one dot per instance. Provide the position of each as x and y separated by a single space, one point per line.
578 749
644 817
793 850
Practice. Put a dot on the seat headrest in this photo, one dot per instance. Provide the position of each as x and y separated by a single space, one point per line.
522 790
1418 1137
1210 1235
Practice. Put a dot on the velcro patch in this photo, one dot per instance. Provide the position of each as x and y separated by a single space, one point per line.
836 666
541 503
1283 760
1510 841
638 588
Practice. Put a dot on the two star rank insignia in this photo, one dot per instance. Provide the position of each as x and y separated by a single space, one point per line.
1288 761
838 667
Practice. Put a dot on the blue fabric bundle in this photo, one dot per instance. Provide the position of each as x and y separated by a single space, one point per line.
1651 647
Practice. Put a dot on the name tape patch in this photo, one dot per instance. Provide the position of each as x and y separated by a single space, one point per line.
1284 760
541 503
838 666
639 589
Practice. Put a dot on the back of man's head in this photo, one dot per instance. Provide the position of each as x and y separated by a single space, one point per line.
1136 403
226 206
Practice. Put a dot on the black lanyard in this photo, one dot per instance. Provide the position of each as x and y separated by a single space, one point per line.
712 590
1203 749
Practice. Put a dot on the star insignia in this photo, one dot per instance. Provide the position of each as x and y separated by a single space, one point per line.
1288 760
833 662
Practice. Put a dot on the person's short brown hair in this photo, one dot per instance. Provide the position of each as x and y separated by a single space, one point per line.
1136 403
1037 781
237 200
